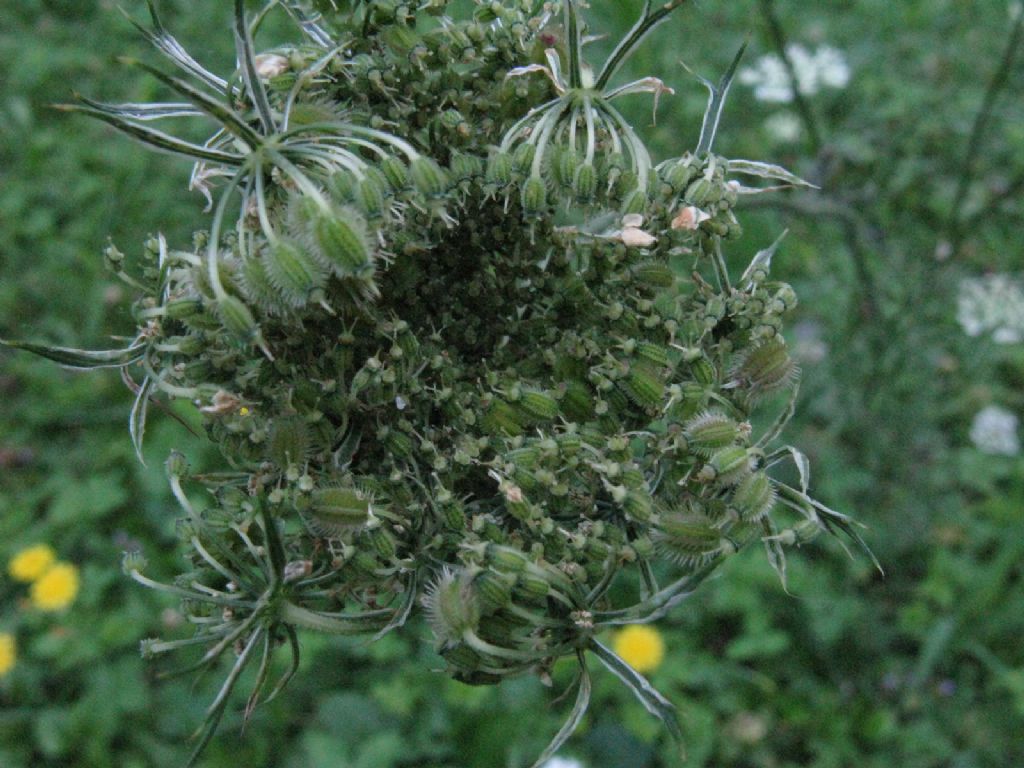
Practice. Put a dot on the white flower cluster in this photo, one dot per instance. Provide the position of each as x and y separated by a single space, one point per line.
825 67
992 304
784 127
994 430
563 762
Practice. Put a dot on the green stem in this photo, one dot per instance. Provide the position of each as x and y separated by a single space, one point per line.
778 37
648 21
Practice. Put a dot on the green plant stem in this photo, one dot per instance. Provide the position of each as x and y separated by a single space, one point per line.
999 80
778 37
648 21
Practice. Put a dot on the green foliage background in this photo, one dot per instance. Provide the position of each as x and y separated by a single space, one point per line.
922 668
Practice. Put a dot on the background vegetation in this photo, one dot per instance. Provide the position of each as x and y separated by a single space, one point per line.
922 668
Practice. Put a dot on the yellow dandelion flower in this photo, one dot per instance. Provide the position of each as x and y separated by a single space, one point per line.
8 653
56 589
640 646
31 563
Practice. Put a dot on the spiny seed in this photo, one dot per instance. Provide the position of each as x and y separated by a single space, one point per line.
535 196
452 607
537 406
754 497
727 466
644 387
711 431
766 369
428 177
687 536
258 288
334 511
292 272
289 442
499 169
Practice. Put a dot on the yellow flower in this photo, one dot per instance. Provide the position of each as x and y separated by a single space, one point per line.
31 563
56 589
8 653
640 646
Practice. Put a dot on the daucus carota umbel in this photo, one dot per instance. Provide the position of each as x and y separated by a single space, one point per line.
469 354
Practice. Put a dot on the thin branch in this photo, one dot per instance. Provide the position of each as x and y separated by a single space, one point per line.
999 80
778 37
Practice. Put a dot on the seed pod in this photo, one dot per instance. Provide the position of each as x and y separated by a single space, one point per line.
506 559
334 511
765 369
525 457
584 185
258 288
398 444
534 196
577 401
569 443
754 497
238 320
687 537
634 202
338 235
653 273
643 387
535 405
382 542
429 179
680 175
563 168
182 309
703 192
727 466
532 586
370 195
499 169
654 354
494 589
452 607
289 442
703 371
501 418
395 171
292 272
711 431
465 167
522 157
633 477
638 506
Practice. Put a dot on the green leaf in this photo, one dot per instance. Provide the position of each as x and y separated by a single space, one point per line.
81 358
652 700
137 418
768 171
173 50
158 140
579 709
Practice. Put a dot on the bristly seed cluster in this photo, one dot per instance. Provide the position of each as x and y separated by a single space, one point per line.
465 348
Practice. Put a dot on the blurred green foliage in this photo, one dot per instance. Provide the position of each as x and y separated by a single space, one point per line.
922 668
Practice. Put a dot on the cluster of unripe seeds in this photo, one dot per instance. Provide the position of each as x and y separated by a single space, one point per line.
465 348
